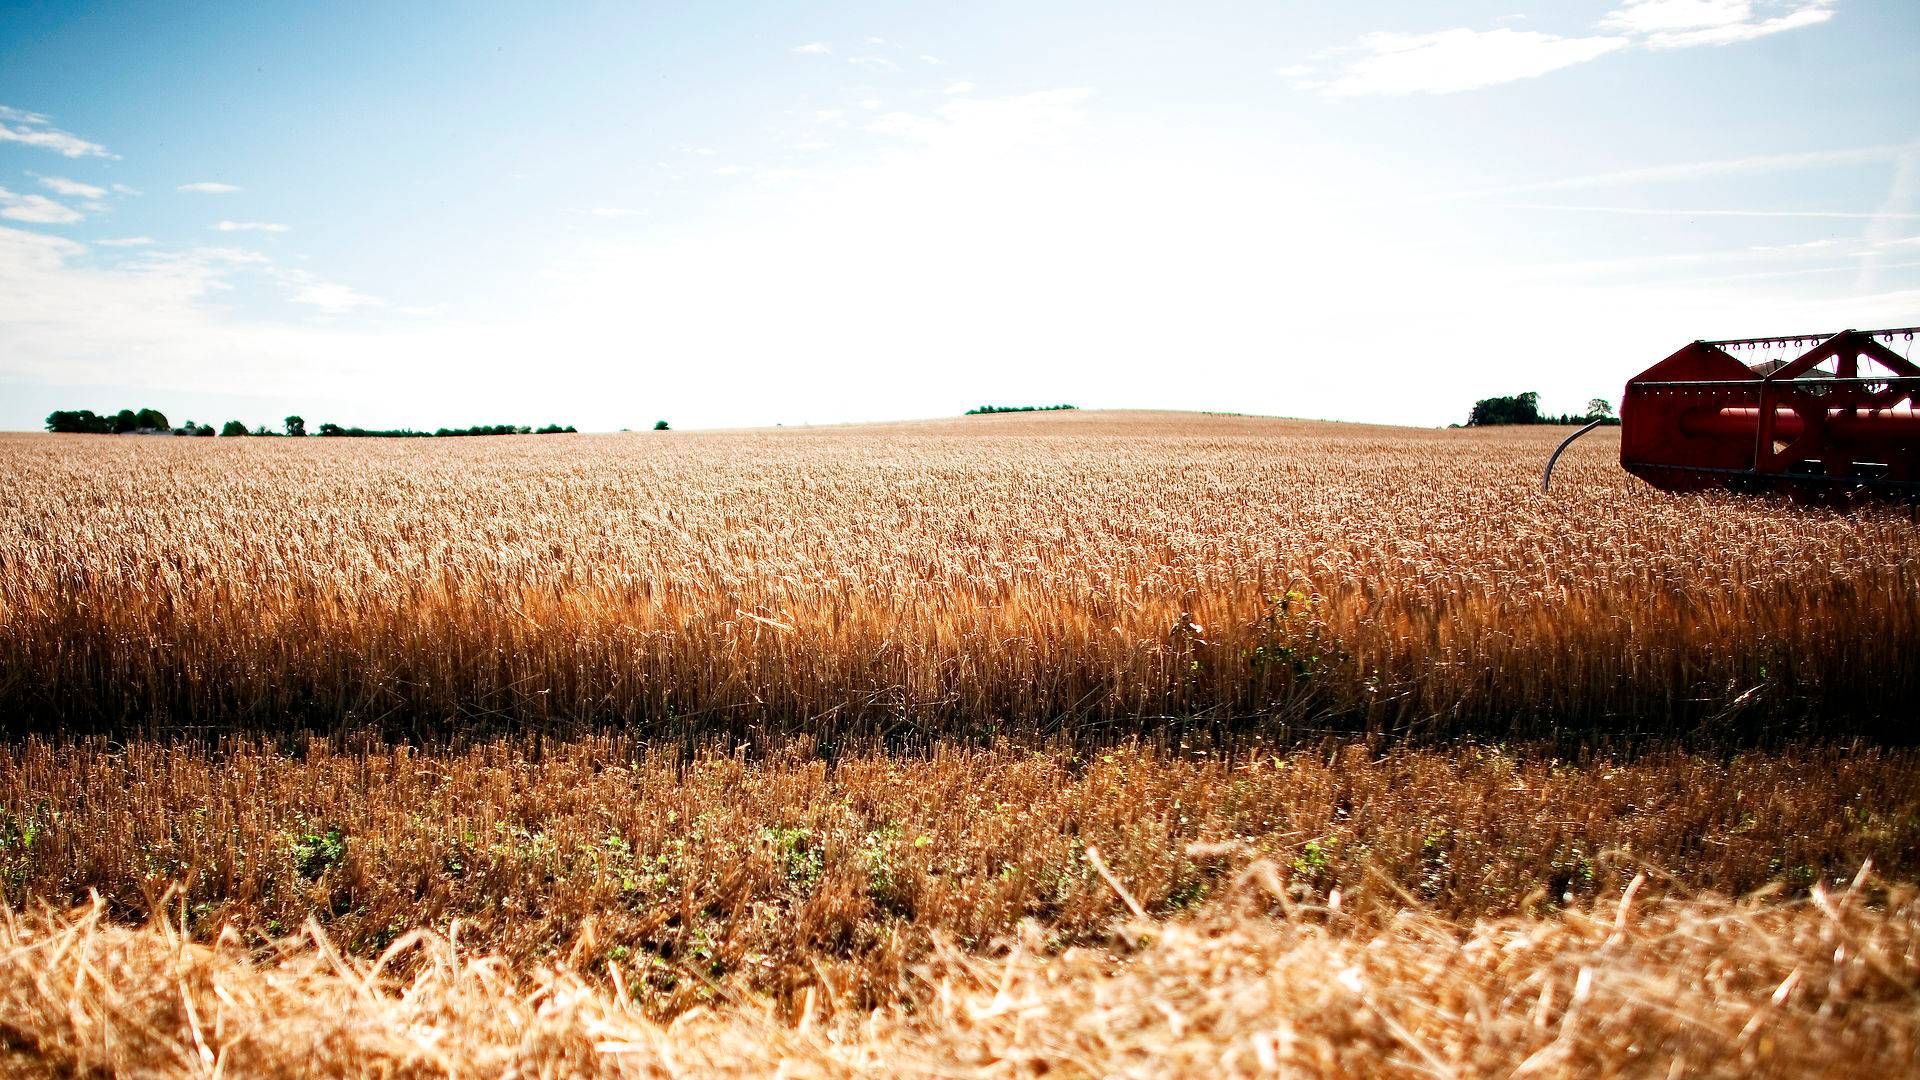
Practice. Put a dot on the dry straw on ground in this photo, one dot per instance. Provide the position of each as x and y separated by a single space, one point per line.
775 875
1826 987
1085 573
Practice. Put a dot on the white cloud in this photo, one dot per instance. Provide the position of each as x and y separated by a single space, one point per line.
208 187
330 297
122 189
35 129
251 226
876 41
36 209
830 116
613 212
1676 24
126 241
60 185
961 87
1659 16
1450 61
929 58
871 103
873 63
813 48
1803 246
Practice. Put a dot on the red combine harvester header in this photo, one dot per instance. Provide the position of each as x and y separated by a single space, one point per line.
1839 417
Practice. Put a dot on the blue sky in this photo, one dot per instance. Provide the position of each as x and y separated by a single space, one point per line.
762 213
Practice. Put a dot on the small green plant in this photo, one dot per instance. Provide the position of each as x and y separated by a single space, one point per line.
1315 860
799 859
314 852
876 854
17 836
1293 640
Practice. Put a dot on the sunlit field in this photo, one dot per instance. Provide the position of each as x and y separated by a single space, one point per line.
1086 575
1074 744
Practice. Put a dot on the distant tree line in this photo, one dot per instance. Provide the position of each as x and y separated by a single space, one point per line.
336 431
1525 409
987 409
153 422
87 422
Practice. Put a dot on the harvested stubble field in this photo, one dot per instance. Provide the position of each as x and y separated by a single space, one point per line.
1008 746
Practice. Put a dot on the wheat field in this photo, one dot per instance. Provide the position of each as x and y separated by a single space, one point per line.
1082 744
1093 575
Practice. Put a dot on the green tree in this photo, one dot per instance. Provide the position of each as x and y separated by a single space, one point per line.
124 421
1518 409
151 420
1599 409
78 422
660 425
233 427
296 426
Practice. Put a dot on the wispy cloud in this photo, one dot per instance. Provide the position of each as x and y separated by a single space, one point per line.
1692 170
126 241
613 212
60 185
929 58
36 129
873 63
1902 199
1680 24
208 187
961 87
1450 61
813 48
1453 60
1640 266
1656 211
251 226
36 209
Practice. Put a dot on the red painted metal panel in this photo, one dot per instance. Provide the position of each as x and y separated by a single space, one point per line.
1701 419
